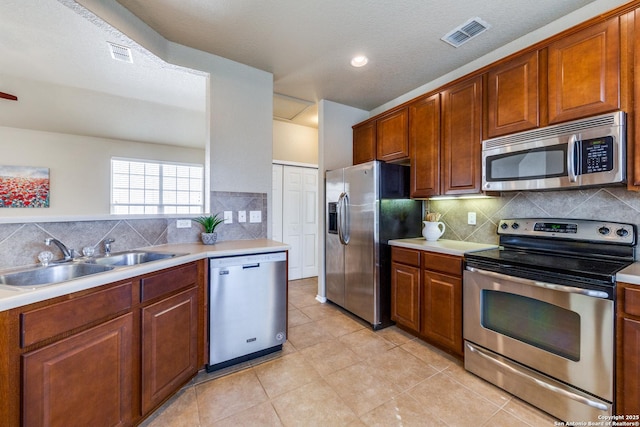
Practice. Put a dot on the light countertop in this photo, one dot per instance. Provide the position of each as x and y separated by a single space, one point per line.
630 274
443 246
11 297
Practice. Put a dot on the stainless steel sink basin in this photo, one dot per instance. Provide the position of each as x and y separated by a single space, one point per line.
55 273
131 258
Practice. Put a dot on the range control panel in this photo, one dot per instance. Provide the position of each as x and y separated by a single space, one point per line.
578 229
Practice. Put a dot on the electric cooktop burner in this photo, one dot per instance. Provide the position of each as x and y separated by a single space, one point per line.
578 251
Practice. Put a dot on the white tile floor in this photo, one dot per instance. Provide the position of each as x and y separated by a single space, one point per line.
336 371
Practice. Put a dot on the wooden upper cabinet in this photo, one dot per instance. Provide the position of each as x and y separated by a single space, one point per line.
461 137
392 137
584 72
424 143
512 94
364 142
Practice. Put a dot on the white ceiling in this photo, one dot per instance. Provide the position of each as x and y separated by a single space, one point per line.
306 44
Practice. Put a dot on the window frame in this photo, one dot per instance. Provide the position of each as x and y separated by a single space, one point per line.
161 207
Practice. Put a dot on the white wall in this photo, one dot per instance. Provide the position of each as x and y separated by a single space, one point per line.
80 167
335 150
295 143
240 108
64 109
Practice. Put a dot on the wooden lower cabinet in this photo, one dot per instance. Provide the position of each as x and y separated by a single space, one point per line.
405 295
83 380
441 310
628 349
425 302
106 356
169 346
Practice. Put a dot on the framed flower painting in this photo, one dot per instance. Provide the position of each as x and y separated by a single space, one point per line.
24 187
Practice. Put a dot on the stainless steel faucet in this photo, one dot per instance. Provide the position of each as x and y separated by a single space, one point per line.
68 253
107 245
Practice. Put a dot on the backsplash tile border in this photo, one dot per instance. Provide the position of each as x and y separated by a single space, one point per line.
20 243
609 204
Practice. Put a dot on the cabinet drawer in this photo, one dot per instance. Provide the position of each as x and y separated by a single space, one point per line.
47 322
632 301
168 281
405 256
440 262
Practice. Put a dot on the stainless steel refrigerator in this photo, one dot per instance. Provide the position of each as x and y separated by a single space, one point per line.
366 206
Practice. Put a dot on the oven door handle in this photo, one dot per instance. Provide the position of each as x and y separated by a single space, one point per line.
545 285
540 383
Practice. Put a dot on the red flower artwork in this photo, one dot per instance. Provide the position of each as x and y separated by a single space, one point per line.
24 187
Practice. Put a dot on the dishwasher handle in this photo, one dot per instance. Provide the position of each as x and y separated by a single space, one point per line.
246 266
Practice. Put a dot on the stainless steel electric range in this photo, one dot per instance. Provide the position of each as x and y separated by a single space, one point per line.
539 312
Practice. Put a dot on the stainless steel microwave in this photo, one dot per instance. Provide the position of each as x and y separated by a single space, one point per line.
580 153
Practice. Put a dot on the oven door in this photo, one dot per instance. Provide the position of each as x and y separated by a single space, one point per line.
561 331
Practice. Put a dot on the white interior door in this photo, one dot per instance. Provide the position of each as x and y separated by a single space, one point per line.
276 194
310 223
295 217
292 208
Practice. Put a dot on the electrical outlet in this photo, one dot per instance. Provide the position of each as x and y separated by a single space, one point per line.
471 218
242 216
255 216
183 223
228 217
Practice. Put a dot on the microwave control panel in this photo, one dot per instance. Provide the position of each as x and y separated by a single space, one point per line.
597 155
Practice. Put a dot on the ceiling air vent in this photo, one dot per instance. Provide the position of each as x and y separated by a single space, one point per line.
465 32
120 53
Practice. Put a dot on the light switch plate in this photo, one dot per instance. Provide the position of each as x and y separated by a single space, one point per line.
228 218
255 216
183 223
471 218
242 216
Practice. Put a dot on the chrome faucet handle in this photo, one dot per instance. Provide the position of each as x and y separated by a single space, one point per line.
107 245
45 258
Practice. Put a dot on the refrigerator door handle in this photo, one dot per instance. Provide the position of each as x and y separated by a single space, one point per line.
343 218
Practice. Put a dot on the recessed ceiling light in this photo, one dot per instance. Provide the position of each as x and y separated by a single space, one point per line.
359 61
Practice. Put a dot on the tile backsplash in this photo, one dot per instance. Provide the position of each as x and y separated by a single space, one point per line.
609 204
20 243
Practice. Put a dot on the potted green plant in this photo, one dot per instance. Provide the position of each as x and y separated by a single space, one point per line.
209 223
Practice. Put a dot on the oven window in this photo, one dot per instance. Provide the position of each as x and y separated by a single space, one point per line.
539 163
538 323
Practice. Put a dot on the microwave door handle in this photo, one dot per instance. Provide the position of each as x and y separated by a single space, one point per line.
571 158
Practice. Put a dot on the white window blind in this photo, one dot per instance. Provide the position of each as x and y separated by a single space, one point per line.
145 187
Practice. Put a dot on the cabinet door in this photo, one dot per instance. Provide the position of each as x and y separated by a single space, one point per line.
442 310
392 136
584 73
169 346
405 295
364 143
512 94
424 141
628 401
83 380
461 137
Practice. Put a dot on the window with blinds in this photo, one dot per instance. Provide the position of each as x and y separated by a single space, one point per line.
145 187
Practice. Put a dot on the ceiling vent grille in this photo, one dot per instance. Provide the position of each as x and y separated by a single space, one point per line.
120 53
465 32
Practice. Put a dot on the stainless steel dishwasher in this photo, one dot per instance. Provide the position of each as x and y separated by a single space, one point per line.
247 307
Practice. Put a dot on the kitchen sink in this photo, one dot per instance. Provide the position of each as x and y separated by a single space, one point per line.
131 258
51 274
